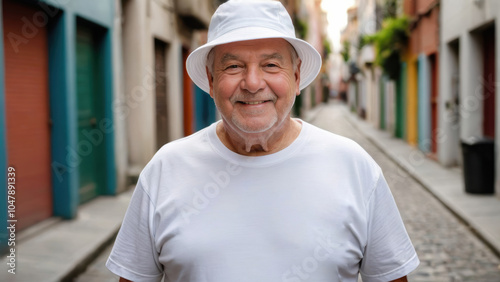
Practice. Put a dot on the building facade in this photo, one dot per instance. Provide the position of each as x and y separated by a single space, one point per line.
158 98
369 18
350 39
421 61
417 87
468 69
445 95
310 12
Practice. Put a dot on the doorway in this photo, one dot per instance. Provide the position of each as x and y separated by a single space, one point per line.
489 88
90 110
161 93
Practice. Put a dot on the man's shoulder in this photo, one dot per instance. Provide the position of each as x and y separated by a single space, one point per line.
178 152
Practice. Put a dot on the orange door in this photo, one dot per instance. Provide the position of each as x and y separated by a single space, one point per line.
27 111
188 97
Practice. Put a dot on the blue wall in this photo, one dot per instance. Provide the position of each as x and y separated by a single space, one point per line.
101 12
62 58
424 104
62 100
204 108
110 188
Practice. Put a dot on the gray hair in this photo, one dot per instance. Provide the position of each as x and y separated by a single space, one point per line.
291 49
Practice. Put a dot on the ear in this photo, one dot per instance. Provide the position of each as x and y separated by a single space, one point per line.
297 78
210 82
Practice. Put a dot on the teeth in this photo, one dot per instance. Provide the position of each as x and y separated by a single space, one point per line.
254 103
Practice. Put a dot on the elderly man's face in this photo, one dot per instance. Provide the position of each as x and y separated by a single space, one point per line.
254 83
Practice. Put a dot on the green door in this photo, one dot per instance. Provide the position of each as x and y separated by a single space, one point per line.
89 103
382 100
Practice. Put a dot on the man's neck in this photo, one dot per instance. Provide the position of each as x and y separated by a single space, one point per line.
259 144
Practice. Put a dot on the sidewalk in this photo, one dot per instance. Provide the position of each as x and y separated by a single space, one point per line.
480 212
58 250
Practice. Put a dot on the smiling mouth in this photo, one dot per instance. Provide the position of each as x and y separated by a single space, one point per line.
253 102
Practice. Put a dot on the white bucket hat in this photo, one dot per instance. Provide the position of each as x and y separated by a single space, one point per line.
241 20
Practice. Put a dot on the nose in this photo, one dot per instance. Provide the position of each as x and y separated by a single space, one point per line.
253 80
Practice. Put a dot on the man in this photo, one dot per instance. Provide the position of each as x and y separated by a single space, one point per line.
260 196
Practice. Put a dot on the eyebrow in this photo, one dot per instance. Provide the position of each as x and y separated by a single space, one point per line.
276 56
228 57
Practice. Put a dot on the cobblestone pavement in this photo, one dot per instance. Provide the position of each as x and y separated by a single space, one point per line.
447 249
97 271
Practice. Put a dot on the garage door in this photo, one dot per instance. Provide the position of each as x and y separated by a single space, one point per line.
27 112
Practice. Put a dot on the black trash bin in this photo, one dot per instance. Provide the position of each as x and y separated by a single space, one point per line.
479 166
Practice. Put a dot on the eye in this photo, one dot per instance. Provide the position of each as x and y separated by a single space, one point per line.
232 67
271 65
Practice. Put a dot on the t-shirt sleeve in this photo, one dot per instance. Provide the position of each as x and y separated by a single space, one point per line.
389 253
134 255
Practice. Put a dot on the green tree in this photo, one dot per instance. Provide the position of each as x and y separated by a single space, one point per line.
345 51
327 49
300 28
389 43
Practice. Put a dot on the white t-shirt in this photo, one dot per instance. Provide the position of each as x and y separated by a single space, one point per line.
318 210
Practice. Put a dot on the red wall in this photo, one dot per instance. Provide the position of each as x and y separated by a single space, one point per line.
424 36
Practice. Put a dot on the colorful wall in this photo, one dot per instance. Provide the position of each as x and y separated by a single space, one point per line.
56 93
